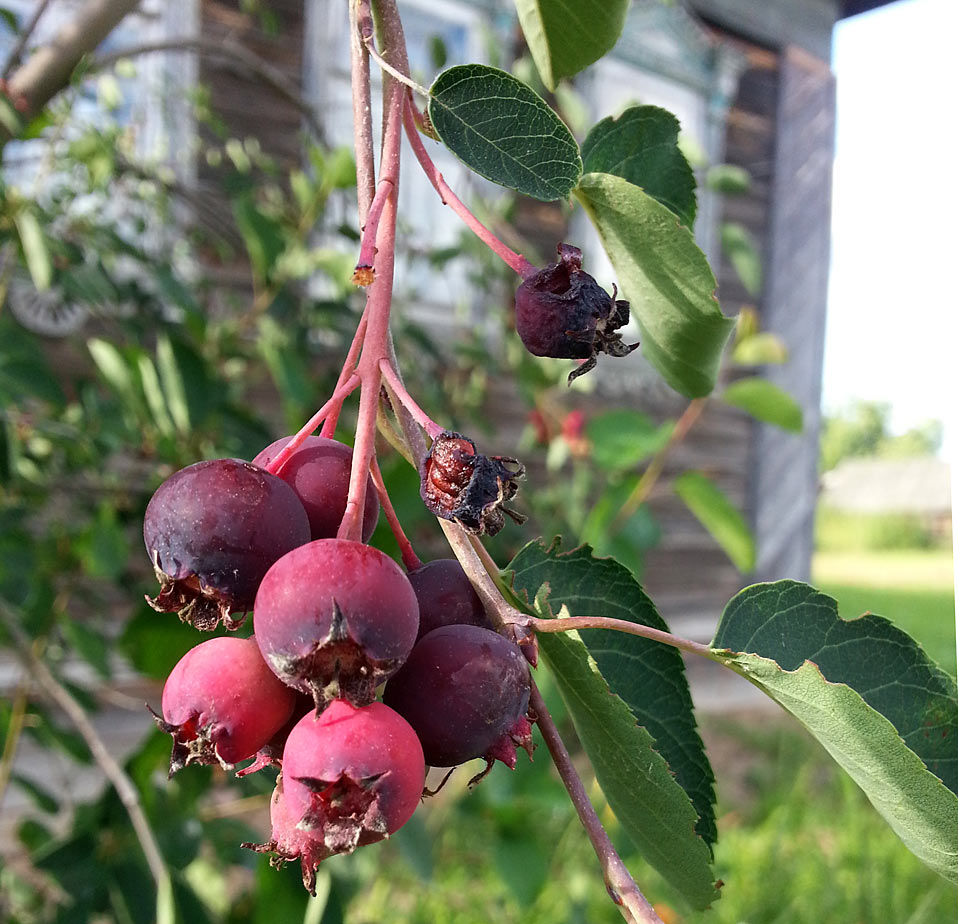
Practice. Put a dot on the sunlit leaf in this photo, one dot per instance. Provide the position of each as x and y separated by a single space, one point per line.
503 130
666 278
566 36
869 693
765 401
641 146
719 516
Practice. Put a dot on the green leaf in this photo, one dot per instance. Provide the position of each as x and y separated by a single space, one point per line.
760 349
153 392
622 439
765 401
503 130
728 179
174 388
42 797
641 146
566 36
35 250
719 516
743 254
666 278
869 693
641 737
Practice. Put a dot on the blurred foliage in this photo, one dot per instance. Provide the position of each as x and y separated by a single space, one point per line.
864 429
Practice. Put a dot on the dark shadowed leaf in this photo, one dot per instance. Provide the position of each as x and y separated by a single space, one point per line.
565 36
641 738
667 279
765 401
641 146
871 696
503 130
719 516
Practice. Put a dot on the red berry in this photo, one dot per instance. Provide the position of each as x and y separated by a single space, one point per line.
335 618
290 842
465 690
352 776
318 471
212 530
221 703
446 597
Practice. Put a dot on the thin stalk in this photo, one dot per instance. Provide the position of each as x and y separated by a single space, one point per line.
129 797
618 881
335 401
516 262
570 623
651 475
379 300
409 557
408 402
362 110
365 270
348 370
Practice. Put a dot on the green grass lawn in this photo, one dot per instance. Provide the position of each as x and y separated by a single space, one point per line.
912 588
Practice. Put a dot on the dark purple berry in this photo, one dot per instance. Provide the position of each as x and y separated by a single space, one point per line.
457 483
335 618
318 471
221 703
446 597
563 312
212 530
465 690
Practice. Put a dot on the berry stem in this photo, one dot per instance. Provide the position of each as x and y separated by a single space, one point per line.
516 262
365 270
349 369
379 298
409 558
359 13
570 623
334 403
618 881
408 402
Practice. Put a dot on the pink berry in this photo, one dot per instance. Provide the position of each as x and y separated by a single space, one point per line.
352 776
222 703
335 618
290 842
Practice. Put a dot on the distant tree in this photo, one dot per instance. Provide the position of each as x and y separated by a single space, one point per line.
862 429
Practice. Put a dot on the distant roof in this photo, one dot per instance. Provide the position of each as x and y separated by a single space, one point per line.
919 485
854 7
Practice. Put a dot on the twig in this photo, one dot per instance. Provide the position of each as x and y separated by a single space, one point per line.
14 59
366 31
362 110
652 473
618 881
124 787
409 557
232 52
569 623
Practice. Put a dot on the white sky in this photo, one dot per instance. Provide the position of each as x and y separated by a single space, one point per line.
891 332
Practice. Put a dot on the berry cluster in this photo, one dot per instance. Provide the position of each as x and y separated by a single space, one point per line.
334 620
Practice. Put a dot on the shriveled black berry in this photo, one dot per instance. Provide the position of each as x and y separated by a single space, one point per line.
212 530
457 483
465 690
563 312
